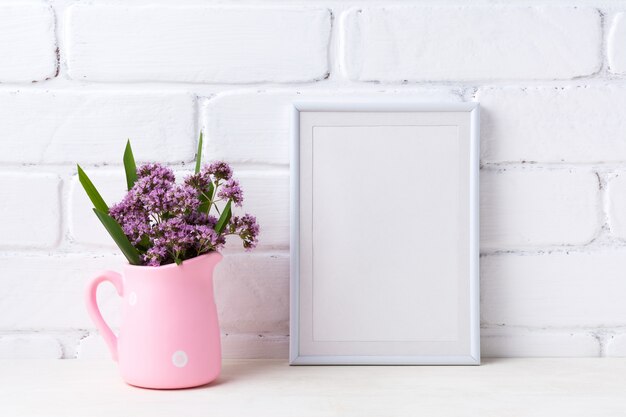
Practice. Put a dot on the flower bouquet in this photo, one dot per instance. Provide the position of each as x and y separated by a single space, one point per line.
160 222
171 234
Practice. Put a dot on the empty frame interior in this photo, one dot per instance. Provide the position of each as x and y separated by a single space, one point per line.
385 237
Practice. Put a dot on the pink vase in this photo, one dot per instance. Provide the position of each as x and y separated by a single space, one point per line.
169 334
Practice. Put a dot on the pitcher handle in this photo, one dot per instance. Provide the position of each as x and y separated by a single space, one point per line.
94 312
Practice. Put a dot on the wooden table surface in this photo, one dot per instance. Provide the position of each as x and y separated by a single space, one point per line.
594 387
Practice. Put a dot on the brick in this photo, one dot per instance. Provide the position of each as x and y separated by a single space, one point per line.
617 205
266 195
255 127
255 346
502 342
92 127
471 43
212 44
30 210
69 340
553 124
252 293
616 345
616 45
525 208
93 347
29 346
48 291
28 47
85 228
567 289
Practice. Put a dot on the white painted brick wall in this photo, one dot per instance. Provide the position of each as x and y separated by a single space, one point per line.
228 45
29 209
617 45
252 293
554 289
529 208
26 346
553 124
553 100
27 43
616 345
44 291
617 205
267 196
84 226
91 127
523 342
254 127
471 43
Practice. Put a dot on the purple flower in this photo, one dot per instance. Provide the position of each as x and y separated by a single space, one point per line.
155 256
197 219
247 228
157 172
181 199
153 183
220 170
206 239
169 222
134 221
232 190
199 181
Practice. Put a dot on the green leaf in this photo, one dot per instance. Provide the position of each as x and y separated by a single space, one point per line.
224 218
199 154
130 166
144 244
92 193
178 261
205 205
116 232
211 191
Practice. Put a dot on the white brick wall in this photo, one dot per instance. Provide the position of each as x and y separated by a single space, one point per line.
22 197
471 43
68 126
617 205
529 208
25 346
254 126
524 342
554 289
84 227
27 43
616 45
616 345
228 45
552 89
46 291
252 293
575 123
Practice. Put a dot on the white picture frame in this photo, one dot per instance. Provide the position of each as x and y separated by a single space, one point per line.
391 277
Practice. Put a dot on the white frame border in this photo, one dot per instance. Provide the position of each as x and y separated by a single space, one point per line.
378 105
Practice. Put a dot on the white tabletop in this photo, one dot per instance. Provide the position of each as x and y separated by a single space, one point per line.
498 388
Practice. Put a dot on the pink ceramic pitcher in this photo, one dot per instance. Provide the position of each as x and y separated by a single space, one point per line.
169 335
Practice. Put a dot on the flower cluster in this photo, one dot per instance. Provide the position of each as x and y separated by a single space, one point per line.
169 222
